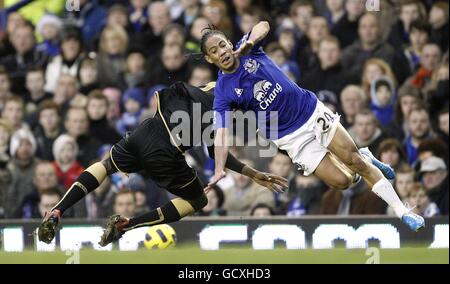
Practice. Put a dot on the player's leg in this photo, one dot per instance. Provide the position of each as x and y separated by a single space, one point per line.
121 158
88 181
193 200
345 149
311 157
332 135
332 172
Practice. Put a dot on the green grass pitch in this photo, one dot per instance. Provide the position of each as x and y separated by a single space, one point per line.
190 255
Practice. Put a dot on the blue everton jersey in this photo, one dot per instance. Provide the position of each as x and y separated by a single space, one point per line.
258 85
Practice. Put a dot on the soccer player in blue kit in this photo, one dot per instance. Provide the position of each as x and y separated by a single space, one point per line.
306 129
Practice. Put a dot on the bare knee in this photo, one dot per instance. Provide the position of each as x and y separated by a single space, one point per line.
341 182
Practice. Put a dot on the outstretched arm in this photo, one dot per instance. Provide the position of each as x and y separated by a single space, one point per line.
258 33
220 156
232 163
272 182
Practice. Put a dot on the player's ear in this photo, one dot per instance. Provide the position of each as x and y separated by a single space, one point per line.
208 59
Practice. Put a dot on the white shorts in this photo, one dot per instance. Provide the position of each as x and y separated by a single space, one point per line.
307 146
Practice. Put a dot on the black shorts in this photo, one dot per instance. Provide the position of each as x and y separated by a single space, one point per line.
148 148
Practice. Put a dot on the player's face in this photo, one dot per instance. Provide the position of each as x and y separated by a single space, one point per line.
220 52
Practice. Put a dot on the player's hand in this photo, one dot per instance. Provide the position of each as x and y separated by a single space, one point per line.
244 49
272 182
216 178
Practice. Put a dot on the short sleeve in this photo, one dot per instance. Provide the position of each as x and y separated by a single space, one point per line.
222 109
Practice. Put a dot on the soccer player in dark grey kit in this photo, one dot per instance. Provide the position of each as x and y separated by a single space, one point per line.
153 148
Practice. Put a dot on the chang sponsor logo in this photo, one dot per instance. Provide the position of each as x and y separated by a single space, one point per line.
264 94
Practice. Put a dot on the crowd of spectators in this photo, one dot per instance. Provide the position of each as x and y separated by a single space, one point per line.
73 82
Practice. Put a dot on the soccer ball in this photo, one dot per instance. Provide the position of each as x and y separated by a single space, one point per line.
160 237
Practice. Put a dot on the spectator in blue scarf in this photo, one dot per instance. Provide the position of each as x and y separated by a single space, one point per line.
382 93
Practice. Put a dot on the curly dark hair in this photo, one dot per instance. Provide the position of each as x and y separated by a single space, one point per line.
208 32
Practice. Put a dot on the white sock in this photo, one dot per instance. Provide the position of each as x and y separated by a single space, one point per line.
383 188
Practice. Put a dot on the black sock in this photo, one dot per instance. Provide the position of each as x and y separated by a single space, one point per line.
85 184
162 215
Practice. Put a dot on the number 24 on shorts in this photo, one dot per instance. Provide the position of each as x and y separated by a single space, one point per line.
325 121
